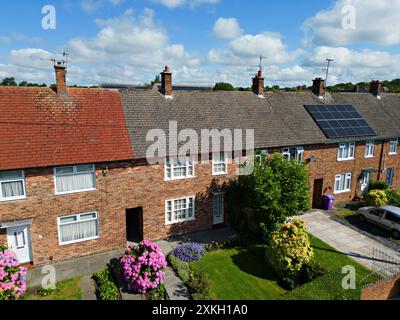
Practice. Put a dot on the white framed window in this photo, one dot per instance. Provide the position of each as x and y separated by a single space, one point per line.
346 151
343 183
393 146
12 185
179 210
220 163
75 178
293 153
369 149
175 169
78 228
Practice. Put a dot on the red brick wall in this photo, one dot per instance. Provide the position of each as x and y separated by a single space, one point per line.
384 290
126 185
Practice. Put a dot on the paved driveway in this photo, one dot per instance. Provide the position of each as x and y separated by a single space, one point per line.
350 242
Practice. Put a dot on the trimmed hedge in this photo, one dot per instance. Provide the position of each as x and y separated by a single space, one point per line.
106 287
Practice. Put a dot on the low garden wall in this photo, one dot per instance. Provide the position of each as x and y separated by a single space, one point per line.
382 290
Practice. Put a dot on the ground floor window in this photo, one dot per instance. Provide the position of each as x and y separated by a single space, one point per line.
343 182
179 210
79 227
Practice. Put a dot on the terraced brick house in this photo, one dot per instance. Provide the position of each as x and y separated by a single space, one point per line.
75 179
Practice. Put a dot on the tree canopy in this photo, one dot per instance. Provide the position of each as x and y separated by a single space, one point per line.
223 86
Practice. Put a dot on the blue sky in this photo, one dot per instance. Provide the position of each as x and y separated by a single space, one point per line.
204 41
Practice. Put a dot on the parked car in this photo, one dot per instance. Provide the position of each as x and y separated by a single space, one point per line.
387 217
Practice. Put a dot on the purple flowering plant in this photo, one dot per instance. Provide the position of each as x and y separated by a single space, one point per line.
142 267
189 252
12 276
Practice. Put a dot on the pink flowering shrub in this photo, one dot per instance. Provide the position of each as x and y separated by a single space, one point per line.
142 267
12 276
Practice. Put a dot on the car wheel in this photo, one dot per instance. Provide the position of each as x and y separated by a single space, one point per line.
362 218
396 234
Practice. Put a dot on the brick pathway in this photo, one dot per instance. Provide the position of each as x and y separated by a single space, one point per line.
346 240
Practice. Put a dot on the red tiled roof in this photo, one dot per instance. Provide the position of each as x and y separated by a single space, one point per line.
38 128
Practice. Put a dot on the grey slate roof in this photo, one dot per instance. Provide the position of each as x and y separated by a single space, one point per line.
279 120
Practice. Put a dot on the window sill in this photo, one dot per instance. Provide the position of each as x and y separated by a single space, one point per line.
13 199
369 157
347 159
340 192
78 241
74 192
178 222
220 174
178 179
392 153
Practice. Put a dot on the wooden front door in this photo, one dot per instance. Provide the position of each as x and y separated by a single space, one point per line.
317 194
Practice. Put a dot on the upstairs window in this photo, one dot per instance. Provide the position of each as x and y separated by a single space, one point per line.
393 146
220 163
179 210
346 151
175 169
293 153
75 179
12 185
343 183
369 149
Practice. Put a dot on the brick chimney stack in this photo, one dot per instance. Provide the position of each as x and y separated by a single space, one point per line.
258 84
376 88
61 72
319 87
166 82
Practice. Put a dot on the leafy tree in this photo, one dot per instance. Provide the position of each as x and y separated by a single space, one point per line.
157 79
276 189
223 86
9 82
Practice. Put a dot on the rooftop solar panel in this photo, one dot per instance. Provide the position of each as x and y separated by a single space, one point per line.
340 121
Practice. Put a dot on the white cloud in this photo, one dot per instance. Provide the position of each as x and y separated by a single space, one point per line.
227 28
246 49
354 66
172 4
375 22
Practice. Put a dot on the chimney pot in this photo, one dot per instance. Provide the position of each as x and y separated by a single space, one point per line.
319 87
61 71
258 84
166 82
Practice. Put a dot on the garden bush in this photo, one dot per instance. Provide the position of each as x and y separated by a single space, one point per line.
199 283
142 266
376 198
393 197
12 276
106 287
377 185
158 294
189 252
289 250
181 268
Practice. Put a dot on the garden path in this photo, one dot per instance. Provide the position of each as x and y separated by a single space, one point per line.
350 242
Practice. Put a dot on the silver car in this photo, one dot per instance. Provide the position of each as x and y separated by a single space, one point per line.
387 217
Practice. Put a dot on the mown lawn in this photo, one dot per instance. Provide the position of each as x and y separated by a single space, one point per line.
329 286
242 274
66 290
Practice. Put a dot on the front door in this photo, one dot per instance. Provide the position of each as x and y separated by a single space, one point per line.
366 177
19 241
218 209
317 194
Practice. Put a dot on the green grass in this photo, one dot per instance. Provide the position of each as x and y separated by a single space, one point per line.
329 286
66 290
242 274
239 274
